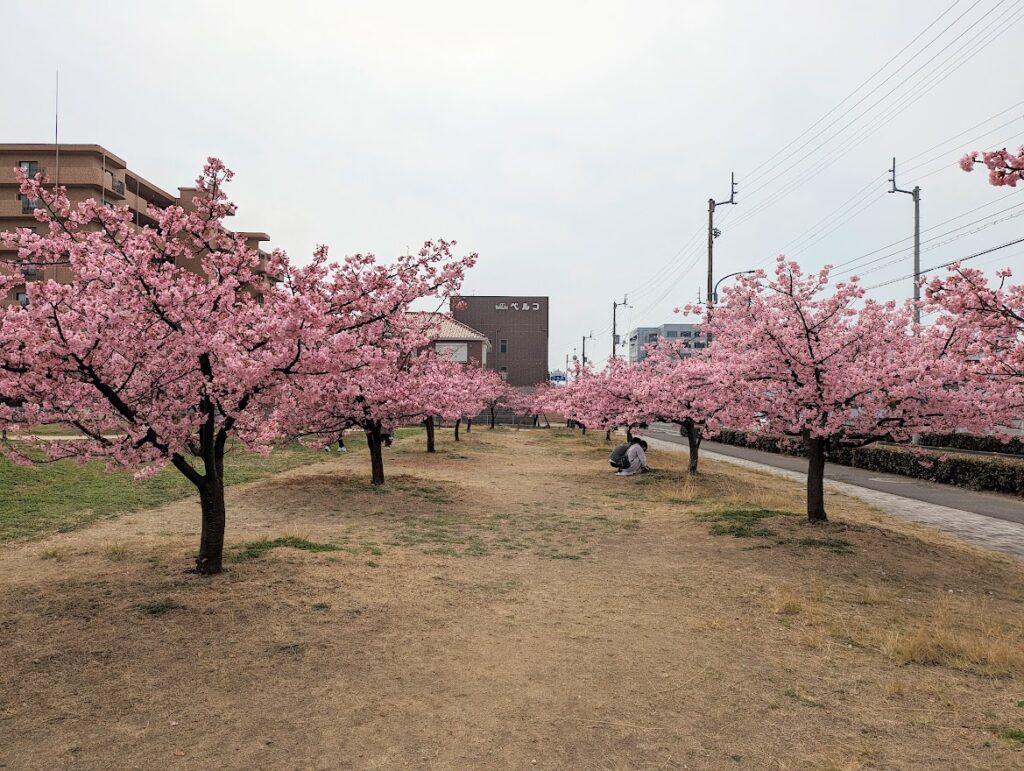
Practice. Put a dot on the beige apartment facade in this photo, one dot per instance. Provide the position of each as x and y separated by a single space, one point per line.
86 171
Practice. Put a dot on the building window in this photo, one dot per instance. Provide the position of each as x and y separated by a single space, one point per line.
22 298
698 345
29 205
503 346
458 351
652 337
670 333
31 168
504 373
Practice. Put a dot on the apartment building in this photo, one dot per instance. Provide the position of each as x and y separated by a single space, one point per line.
87 171
641 337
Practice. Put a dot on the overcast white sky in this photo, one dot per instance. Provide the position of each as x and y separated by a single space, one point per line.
573 145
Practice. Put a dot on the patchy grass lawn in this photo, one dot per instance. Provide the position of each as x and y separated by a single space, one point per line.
62 496
509 603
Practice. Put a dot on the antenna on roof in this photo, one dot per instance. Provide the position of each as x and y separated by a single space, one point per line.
56 126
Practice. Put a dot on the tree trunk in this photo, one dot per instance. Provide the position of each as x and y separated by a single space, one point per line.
469 424
373 441
816 447
429 423
629 433
457 422
211 540
493 411
693 441
583 429
608 435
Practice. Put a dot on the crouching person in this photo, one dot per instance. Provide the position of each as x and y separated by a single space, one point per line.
617 460
636 458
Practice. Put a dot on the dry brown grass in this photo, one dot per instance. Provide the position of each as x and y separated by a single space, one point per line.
969 636
505 601
787 604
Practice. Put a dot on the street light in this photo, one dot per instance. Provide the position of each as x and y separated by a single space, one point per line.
714 294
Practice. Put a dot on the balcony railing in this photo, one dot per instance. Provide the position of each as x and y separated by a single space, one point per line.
118 187
32 273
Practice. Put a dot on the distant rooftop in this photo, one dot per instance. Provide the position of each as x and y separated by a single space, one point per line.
442 327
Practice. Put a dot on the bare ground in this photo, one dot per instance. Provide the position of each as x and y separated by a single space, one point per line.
508 603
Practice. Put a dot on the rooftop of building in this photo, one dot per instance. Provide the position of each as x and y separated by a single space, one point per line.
502 297
443 327
68 149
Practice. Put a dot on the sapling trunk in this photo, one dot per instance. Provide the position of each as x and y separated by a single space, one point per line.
693 437
457 422
816 449
469 424
429 423
373 441
493 417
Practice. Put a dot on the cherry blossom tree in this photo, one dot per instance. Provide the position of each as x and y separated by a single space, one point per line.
395 378
1004 167
985 324
170 343
572 400
479 389
832 369
686 391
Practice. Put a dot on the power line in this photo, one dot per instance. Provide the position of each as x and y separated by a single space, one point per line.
851 262
677 269
792 184
801 243
940 244
873 75
951 262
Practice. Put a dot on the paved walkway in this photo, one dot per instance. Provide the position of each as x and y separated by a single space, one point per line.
984 519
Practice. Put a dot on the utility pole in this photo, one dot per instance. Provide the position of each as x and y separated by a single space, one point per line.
714 233
585 338
615 336
916 193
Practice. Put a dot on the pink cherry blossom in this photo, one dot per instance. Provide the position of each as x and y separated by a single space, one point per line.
828 366
1004 167
170 344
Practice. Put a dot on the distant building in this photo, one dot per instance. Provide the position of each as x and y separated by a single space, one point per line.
641 337
86 171
448 335
517 328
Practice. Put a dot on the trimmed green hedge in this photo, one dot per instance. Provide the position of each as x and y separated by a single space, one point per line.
973 442
974 472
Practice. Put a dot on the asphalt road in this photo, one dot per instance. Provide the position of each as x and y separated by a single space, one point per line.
995 505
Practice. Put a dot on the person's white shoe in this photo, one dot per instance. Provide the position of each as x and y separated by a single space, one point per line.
343 449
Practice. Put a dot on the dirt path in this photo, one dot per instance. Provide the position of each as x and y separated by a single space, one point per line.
509 604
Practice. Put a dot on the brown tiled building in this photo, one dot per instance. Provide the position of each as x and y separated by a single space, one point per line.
448 335
87 171
517 328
